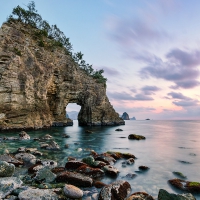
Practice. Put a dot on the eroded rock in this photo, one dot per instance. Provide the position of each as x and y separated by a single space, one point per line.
73 178
118 190
6 169
136 137
141 196
72 191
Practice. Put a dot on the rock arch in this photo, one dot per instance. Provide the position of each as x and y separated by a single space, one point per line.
36 85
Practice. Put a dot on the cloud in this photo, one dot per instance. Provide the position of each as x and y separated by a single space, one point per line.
188 59
149 90
132 32
181 68
179 95
119 96
110 71
142 97
183 101
126 96
186 103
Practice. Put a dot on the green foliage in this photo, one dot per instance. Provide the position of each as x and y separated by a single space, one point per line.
41 43
30 17
98 74
17 51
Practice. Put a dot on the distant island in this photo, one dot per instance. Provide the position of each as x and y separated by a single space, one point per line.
133 118
147 119
125 116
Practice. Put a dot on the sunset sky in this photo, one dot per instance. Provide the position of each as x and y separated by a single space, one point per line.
149 50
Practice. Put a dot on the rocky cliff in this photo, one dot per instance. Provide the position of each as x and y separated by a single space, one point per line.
38 81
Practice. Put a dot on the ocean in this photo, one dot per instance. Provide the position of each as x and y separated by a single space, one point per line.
169 146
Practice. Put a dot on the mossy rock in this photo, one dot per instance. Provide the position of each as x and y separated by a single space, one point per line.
179 174
136 137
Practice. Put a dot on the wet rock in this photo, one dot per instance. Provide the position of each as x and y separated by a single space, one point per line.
130 161
184 162
143 168
91 172
192 154
24 136
73 165
73 178
41 164
179 174
65 136
136 137
130 176
72 192
140 196
39 194
118 129
99 164
110 170
8 184
88 160
10 159
53 146
6 169
119 155
35 168
88 131
105 157
185 185
118 190
27 158
33 151
164 195
11 197
46 137
99 184
66 146
71 158
58 170
45 175
49 163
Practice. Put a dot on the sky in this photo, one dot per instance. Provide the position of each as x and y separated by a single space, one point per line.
149 50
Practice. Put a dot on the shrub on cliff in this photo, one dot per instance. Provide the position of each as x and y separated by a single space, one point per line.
58 38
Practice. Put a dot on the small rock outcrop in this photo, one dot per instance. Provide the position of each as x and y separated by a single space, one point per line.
125 116
188 186
164 195
37 83
6 169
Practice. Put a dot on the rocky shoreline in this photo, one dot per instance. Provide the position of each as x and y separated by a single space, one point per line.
40 178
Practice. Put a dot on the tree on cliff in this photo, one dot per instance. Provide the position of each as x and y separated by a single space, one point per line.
32 18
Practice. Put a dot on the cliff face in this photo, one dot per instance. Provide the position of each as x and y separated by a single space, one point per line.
37 83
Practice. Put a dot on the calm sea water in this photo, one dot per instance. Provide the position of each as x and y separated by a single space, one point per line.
167 143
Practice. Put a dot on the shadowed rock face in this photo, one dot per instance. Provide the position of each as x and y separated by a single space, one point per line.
37 83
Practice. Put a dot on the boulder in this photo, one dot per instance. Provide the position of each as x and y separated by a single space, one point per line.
88 160
24 136
118 190
10 159
73 165
37 194
110 170
45 175
27 158
53 146
91 172
74 178
8 184
188 186
140 196
105 157
58 170
143 168
6 169
72 191
136 137
118 129
164 195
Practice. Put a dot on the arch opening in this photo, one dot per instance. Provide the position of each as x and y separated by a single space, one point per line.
72 111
